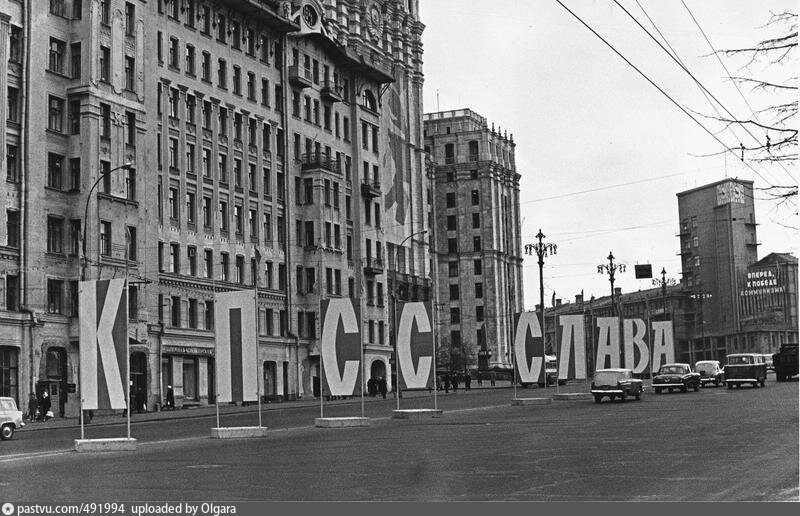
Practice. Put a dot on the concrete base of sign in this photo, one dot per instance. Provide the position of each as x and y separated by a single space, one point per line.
240 432
105 445
566 396
340 422
416 413
531 401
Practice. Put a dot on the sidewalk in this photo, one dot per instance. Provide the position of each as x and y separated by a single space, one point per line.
209 410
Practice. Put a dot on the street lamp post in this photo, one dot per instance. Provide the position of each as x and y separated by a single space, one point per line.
664 282
86 214
540 249
396 272
611 268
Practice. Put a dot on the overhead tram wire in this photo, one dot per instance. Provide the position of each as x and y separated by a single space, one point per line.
728 73
673 55
656 86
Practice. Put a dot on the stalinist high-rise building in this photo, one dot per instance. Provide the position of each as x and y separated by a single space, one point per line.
274 145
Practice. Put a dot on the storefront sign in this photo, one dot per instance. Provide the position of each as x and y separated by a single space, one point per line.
187 350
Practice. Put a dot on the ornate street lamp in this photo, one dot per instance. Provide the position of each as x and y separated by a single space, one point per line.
611 268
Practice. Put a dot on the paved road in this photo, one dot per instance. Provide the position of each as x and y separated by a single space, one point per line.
716 444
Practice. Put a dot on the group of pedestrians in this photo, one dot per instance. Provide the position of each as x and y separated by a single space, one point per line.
453 380
39 407
377 386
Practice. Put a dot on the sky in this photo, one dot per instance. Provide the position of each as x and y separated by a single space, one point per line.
602 153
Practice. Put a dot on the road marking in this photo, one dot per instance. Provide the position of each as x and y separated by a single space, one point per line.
34 455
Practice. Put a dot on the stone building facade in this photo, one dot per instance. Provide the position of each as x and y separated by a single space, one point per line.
249 144
478 249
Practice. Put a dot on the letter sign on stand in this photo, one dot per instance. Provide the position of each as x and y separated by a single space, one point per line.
663 344
573 337
607 343
529 348
415 348
236 346
637 355
341 346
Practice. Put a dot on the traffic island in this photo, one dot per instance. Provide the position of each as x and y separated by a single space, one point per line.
105 445
340 422
239 432
416 413
531 401
568 396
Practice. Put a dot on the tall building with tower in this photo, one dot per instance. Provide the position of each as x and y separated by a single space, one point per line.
478 249
267 144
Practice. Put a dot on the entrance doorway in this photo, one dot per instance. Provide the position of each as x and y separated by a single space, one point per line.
56 384
270 380
377 370
139 381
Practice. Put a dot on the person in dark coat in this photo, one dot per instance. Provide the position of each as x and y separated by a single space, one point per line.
44 405
372 389
170 398
140 401
455 382
467 381
446 383
383 388
33 406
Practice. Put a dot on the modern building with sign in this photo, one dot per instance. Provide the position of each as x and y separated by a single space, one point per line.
273 145
478 249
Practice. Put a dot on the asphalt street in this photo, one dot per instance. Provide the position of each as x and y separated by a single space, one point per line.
716 444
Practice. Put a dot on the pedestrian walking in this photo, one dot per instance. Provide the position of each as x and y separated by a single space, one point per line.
170 398
140 401
455 382
446 383
480 380
33 407
383 388
44 407
467 382
491 379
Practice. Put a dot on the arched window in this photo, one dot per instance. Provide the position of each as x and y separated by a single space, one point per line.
368 100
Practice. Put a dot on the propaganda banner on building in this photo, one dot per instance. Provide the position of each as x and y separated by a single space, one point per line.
340 346
762 296
529 348
415 345
103 344
236 346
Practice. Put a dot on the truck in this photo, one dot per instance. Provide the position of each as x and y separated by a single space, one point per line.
785 362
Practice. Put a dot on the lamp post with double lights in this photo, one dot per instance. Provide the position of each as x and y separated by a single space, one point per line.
394 290
102 176
541 249
611 269
663 283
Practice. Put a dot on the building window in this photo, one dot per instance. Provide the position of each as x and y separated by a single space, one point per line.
451 223
174 209
453 292
476 220
105 121
450 199
206 67
476 243
12 166
208 316
105 11
15 44
105 64
452 269
455 316
175 258
175 311
57 7
55 120
130 73
130 19
452 245
12 113
105 238
478 265
74 117
478 290
55 171
132 247
476 200
57 51
208 262
55 294
222 70
55 234
12 228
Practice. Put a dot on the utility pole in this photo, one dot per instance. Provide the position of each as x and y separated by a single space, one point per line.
540 249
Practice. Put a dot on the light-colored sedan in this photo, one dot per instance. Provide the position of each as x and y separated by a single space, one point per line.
10 418
710 372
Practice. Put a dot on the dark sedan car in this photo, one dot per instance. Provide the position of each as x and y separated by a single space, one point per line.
710 372
676 376
615 383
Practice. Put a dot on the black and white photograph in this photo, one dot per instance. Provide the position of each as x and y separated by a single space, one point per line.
530 251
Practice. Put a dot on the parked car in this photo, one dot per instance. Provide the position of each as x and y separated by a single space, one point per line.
676 376
615 383
10 418
745 368
710 372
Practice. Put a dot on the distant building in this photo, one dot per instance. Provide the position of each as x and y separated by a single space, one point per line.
478 250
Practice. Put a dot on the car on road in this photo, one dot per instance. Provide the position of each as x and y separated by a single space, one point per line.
551 371
676 376
615 383
745 368
768 361
10 418
710 372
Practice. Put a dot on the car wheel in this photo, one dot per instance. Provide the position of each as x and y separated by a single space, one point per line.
763 382
623 397
7 432
696 387
611 398
755 385
730 385
658 390
598 399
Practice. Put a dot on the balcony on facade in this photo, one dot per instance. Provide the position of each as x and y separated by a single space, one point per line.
373 266
370 189
332 92
300 77
319 162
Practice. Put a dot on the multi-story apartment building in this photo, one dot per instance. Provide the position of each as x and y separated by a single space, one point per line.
478 250
247 144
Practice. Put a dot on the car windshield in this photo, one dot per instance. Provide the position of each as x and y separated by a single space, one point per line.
705 368
608 377
741 360
7 405
672 369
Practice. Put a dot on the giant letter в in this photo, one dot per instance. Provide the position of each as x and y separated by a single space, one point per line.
634 341
608 342
663 344
573 336
104 330
340 348
528 352
415 346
